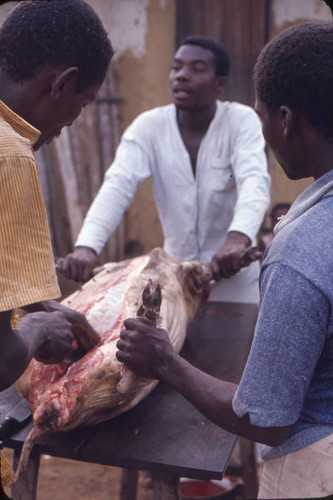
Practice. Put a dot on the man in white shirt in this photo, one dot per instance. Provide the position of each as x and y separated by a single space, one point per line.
209 172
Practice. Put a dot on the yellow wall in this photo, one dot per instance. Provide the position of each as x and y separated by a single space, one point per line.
144 84
142 33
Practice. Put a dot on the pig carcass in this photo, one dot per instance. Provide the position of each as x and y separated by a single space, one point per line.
98 387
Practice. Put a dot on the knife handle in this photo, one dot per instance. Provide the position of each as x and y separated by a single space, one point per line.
7 427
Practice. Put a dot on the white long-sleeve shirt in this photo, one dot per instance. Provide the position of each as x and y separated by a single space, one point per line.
229 192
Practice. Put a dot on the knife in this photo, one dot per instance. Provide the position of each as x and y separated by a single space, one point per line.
15 420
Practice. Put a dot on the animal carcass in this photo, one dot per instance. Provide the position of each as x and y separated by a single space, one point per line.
97 386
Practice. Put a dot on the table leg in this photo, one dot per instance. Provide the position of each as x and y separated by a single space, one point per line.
129 482
165 486
26 486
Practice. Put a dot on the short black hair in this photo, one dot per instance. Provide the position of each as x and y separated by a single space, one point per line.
42 34
222 59
296 69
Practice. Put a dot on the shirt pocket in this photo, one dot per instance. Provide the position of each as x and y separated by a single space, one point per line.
221 177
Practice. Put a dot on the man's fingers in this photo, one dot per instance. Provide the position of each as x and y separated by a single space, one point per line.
123 344
86 336
125 349
121 356
134 324
229 267
215 269
68 268
92 335
76 269
87 273
83 341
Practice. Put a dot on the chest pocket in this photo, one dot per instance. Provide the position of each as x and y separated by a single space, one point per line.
222 178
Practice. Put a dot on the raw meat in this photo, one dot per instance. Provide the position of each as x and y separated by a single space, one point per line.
98 387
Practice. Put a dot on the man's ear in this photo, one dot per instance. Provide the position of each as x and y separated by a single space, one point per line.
221 82
63 81
288 121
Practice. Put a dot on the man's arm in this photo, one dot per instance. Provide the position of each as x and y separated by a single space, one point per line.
129 169
150 354
290 335
249 167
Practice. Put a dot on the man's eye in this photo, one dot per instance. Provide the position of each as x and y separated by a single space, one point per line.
175 67
198 69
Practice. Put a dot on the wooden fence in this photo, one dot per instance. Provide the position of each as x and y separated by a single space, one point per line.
72 168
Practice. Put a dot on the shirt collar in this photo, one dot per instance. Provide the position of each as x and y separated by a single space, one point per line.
18 124
318 190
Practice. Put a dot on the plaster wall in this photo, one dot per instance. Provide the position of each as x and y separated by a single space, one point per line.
142 33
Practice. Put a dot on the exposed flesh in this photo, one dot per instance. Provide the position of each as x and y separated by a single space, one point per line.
98 387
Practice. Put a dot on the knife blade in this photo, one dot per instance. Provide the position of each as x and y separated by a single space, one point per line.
15 419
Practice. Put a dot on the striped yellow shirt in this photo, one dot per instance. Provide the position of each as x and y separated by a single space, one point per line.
27 272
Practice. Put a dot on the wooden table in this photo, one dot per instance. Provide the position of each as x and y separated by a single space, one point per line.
164 434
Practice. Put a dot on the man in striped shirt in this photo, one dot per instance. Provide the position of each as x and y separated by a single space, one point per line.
53 60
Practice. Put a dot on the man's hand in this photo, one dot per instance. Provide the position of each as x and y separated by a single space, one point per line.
85 335
226 261
144 349
79 264
53 334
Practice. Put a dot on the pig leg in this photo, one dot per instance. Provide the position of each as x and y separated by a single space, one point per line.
148 312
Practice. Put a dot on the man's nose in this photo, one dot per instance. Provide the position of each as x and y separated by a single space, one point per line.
182 73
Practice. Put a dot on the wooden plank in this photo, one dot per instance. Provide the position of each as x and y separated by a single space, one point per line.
26 487
166 487
55 201
72 170
63 153
81 165
109 133
108 121
129 483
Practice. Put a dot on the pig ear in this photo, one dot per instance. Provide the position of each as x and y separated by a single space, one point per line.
195 275
196 269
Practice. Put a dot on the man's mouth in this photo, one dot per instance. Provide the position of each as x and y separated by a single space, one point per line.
181 93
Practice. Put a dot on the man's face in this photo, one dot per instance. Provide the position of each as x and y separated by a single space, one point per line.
272 130
193 80
282 137
269 125
50 121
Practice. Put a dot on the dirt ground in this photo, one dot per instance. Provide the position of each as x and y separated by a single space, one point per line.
61 479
